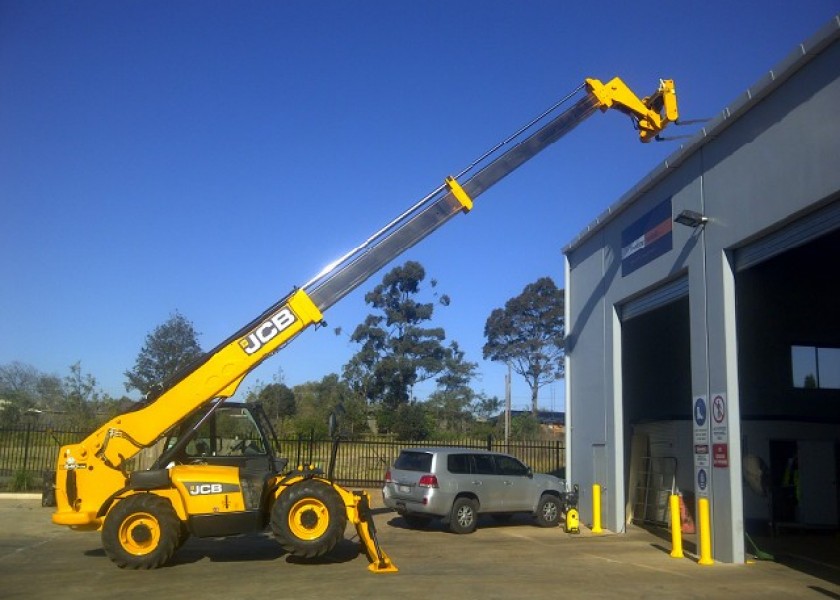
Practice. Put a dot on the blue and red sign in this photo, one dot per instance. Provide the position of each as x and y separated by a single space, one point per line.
647 238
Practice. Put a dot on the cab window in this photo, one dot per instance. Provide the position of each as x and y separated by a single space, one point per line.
230 431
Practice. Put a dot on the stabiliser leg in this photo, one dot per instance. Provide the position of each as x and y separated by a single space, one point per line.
363 520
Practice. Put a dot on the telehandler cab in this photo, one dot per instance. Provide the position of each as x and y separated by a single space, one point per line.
217 474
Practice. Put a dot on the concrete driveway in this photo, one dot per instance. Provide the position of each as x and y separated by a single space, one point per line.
511 560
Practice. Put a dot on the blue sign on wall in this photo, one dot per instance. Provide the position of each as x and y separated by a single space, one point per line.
702 480
647 238
700 411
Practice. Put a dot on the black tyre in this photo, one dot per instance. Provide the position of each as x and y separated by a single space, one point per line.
464 516
141 532
308 519
548 511
416 521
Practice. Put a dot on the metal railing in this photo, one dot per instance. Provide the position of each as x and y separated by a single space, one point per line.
28 454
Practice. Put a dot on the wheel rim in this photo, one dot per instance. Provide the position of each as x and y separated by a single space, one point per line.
550 511
139 534
465 516
309 519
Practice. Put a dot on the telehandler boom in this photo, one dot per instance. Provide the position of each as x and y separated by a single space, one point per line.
208 481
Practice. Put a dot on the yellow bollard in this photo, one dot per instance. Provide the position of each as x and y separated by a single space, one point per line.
705 532
596 509
676 527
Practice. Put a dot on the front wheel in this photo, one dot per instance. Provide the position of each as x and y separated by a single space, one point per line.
464 516
548 511
141 532
308 519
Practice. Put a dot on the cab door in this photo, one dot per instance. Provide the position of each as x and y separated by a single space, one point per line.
230 437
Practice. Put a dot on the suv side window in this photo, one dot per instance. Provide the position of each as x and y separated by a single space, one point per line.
458 464
484 464
507 465
414 461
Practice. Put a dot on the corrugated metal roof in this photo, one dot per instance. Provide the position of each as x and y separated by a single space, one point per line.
799 57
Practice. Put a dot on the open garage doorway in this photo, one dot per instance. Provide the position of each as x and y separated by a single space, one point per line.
656 386
789 374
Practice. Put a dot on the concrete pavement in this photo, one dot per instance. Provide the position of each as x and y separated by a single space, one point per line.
511 560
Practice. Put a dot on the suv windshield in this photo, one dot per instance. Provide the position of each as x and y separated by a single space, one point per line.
414 461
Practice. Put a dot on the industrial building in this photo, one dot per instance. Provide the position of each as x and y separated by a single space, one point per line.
703 321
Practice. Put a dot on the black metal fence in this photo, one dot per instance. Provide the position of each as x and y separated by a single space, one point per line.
27 453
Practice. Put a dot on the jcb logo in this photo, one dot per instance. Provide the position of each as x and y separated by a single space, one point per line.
202 489
267 330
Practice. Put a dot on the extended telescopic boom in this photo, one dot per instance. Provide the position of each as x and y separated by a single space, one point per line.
218 373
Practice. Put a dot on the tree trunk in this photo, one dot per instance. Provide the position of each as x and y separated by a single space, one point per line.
535 390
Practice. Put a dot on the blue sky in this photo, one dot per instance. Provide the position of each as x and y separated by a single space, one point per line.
206 157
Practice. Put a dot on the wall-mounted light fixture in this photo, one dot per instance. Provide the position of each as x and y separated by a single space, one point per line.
691 218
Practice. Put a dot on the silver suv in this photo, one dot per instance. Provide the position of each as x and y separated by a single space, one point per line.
458 484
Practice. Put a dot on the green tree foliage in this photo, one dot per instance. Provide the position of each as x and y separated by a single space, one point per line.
525 426
411 421
81 396
18 391
315 401
49 400
169 347
278 400
529 334
450 403
396 350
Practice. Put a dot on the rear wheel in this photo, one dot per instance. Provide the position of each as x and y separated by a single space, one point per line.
141 532
464 516
308 519
548 511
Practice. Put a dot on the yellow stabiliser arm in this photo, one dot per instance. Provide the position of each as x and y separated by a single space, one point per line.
651 114
359 513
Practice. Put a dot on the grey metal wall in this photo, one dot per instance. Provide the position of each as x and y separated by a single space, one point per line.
769 158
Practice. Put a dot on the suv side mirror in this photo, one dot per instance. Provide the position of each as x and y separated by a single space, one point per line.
530 473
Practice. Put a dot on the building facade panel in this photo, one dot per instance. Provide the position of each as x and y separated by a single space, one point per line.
770 159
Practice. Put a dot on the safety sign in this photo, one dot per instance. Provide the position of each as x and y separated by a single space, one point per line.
702 480
700 411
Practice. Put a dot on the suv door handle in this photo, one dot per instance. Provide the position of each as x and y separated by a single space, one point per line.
477 482
508 483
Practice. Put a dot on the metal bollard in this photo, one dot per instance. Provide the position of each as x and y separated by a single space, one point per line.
705 533
596 509
676 527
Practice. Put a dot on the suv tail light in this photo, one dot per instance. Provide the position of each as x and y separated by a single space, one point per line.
388 476
428 481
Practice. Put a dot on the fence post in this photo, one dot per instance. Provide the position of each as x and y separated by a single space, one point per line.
489 442
26 438
298 452
311 446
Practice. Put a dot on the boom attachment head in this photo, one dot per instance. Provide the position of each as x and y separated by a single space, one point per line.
650 114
